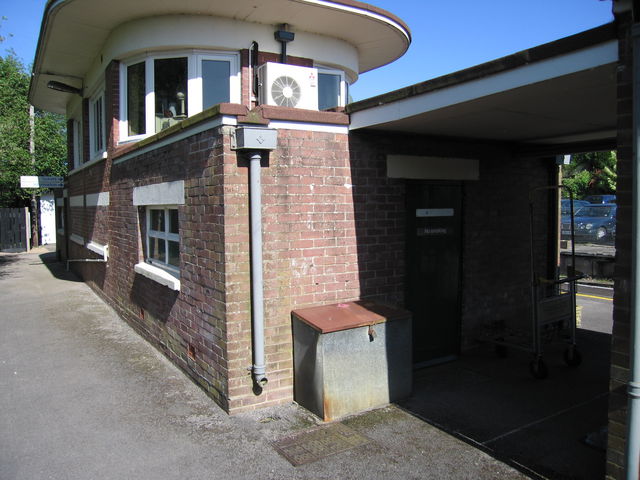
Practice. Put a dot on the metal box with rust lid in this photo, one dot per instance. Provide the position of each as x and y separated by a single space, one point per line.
351 357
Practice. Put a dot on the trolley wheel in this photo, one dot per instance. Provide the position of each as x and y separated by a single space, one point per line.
572 357
538 369
502 351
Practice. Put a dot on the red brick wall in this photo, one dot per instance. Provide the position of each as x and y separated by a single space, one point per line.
310 253
497 239
112 104
495 225
189 326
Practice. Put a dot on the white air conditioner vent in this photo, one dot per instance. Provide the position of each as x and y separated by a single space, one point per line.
288 86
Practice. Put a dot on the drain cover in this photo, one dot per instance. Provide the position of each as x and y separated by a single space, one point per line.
312 445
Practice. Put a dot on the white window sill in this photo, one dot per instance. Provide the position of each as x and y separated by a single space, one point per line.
102 156
158 275
99 249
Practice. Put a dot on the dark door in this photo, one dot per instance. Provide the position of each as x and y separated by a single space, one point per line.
433 266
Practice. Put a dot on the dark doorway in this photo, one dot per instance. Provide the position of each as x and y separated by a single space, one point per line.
434 221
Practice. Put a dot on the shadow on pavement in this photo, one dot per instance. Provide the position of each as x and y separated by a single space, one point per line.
56 268
5 262
551 428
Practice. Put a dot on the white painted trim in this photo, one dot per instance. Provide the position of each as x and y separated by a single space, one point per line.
434 212
99 249
189 132
311 127
578 61
342 94
168 193
364 13
158 275
76 201
77 239
100 199
198 32
88 164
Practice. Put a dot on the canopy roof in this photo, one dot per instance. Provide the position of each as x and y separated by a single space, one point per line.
74 31
555 98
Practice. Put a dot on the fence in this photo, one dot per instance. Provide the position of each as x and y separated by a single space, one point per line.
14 230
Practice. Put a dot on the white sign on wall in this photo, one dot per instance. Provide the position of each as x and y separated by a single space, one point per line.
32 181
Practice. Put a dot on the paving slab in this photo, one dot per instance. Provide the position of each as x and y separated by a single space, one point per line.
83 396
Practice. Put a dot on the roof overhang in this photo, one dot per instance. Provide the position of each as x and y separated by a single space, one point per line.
556 97
74 31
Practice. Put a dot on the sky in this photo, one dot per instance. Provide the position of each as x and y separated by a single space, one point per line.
447 35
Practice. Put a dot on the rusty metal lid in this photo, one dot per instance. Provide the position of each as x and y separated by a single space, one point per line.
343 316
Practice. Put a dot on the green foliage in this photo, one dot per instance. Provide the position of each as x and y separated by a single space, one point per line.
15 158
590 174
577 184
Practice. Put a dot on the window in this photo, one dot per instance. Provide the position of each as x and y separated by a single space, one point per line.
215 84
136 88
77 143
170 88
60 217
96 125
161 90
163 238
331 88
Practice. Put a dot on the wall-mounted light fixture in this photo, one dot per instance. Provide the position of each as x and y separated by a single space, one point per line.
284 36
63 87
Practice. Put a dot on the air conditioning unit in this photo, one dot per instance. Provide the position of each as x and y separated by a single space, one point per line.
288 86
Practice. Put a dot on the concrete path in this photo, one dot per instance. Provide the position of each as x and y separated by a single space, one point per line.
83 397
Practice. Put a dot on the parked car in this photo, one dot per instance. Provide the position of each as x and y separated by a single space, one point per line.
593 223
600 198
565 206
565 215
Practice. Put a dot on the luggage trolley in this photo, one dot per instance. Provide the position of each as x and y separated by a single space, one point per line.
553 309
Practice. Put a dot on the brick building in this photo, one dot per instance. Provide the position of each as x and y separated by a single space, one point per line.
418 198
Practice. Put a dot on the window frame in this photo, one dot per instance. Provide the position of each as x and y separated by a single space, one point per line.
124 104
78 143
194 85
97 125
166 235
60 225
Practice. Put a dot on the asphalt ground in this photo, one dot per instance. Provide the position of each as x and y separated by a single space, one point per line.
595 304
553 428
82 396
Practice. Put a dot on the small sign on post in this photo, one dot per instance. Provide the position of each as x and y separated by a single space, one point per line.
32 181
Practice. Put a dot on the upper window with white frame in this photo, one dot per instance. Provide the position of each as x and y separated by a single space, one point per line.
77 143
96 125
332 88
162 89
163 238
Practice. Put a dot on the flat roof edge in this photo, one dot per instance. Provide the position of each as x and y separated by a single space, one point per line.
579 41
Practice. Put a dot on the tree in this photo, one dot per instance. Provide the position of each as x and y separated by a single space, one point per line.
15 158
590 173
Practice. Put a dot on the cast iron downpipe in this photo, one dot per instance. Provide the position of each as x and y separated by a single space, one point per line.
257 282
633 387
254 141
